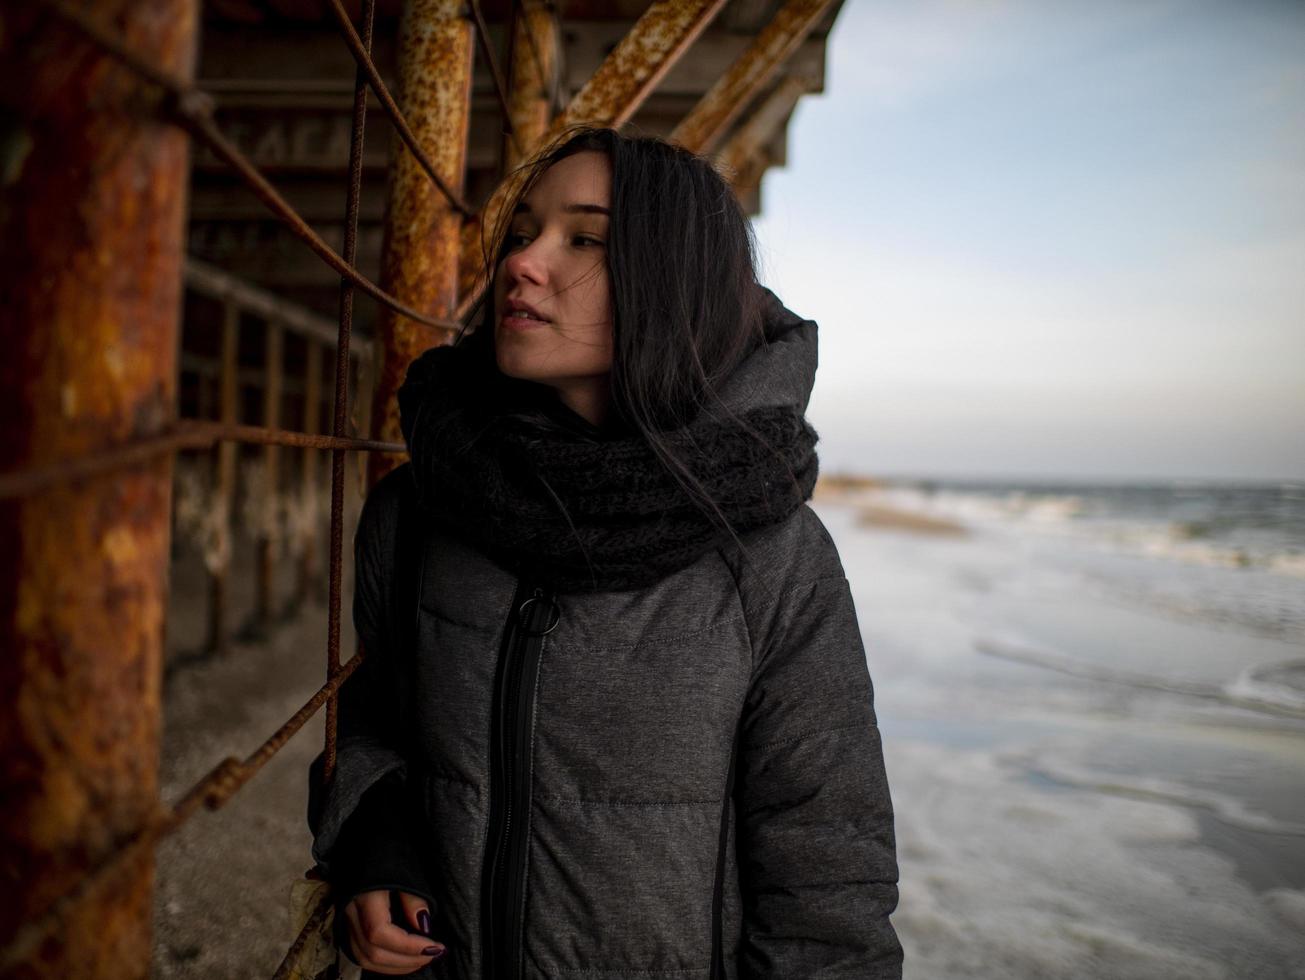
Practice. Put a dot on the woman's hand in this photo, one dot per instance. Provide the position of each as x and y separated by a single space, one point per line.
384 946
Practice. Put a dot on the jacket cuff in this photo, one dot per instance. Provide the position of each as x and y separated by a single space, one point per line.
375 849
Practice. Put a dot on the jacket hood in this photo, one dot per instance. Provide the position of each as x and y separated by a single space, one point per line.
781 371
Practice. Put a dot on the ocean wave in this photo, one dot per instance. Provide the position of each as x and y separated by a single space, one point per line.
1226 809
1209 526
1281 683
1260 690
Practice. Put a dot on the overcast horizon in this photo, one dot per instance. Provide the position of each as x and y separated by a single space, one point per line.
1052 241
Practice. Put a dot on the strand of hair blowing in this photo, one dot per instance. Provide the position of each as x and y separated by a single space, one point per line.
687 302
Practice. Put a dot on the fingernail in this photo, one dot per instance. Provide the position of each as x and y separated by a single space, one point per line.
423 921
433 951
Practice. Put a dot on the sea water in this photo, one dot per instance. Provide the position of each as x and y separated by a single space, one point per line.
1093 708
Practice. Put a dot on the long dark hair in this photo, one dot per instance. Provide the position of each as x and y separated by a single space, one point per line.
687 306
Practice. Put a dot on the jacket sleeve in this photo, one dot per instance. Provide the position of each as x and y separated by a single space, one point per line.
362 840
817 860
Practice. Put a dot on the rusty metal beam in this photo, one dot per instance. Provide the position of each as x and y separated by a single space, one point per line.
615 92
209 280
419 261
535 40
744 148
90 283
711 117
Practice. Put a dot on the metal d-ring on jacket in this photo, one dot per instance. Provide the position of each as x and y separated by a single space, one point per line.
678 782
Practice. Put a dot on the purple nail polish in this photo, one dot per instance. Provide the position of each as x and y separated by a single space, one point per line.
423 921
434 951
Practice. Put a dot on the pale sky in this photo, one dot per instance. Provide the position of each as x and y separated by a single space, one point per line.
1050 238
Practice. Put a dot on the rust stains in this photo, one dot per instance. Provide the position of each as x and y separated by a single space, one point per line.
706 124
91 272
419 258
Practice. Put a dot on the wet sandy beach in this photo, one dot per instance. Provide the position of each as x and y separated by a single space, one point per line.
1079 792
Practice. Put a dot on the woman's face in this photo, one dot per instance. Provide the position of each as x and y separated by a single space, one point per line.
552 290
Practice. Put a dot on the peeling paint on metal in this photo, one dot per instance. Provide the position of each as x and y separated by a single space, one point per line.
89 265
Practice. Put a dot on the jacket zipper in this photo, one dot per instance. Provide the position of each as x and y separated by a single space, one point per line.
534 614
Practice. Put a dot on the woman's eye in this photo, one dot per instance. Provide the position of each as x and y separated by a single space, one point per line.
586 240
515 238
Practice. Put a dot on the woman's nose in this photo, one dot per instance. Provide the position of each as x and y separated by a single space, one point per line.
527 263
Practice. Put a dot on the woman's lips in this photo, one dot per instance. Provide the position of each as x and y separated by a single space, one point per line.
513 321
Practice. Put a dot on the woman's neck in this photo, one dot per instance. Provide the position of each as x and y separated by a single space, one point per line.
590 398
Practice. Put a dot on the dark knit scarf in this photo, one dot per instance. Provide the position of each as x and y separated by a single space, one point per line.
548 496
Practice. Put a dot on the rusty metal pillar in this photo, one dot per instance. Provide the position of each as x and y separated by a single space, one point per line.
419 258
307 526
93 193
218 555
533 76
269 529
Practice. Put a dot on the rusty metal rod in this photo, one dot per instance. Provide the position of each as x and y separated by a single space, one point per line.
193 110
269 529
212 792
212 432
340 415
307 527
320 911
500 86
222 782
202 127
361 55
226 482
184 435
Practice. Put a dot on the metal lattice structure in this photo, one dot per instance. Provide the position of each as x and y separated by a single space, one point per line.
100 110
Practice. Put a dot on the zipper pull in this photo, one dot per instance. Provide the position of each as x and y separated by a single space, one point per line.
540 598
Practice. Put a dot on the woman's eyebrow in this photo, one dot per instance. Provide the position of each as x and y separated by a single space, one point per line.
524 208
586 209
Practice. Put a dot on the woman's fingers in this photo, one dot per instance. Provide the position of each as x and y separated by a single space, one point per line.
379 944
417 912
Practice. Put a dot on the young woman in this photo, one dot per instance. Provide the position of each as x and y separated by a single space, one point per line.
614 719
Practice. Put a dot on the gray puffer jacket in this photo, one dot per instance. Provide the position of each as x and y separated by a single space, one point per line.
678 782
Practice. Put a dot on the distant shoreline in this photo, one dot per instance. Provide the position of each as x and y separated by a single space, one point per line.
880 516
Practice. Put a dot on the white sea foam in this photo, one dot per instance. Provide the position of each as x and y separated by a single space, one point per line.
1281 684
1288 905
1288 564
1093 521
1225 808
1245 692
1003 879
1022 857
